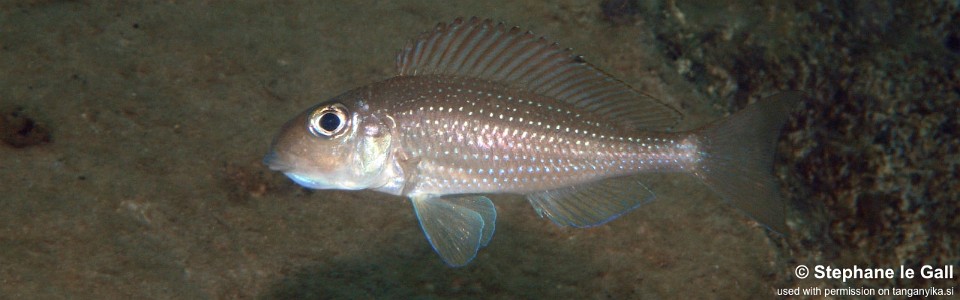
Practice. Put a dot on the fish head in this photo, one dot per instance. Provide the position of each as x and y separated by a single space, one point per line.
338 144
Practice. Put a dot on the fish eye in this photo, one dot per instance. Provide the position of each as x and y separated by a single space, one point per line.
329 121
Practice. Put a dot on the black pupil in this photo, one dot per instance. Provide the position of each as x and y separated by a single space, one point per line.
329 122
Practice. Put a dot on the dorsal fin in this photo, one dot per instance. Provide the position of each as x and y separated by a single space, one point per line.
484 50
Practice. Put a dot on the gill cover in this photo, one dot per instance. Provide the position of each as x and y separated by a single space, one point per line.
334 145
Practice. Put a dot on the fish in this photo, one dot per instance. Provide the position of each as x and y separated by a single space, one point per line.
479 108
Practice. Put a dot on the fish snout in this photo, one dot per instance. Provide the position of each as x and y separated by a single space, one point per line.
274 162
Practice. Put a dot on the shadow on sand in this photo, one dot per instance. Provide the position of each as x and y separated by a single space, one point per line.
518 263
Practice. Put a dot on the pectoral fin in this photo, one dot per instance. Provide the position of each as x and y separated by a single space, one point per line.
591 204
457 226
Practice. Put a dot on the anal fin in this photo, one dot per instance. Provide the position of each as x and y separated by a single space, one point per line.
593 203
456 226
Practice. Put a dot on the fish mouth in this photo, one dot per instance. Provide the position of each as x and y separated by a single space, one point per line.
273 161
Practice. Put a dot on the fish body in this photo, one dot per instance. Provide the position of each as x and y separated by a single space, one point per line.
478 108
473 136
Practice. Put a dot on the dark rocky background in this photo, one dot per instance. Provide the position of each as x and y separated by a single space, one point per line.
873 161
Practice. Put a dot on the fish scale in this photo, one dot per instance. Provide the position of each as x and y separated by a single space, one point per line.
480 108
478 137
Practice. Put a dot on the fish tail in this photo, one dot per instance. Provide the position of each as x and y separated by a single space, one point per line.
737 158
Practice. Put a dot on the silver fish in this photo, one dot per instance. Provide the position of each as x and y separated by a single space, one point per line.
480 108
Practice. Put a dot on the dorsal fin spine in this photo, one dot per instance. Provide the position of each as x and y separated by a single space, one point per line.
559 78
607 92
488 57
549 77
522 56
575 77
434 60
548 57
537 77
432 48
424 47
490 36
543 57
418 59
573 87
467 49
595 91
447 53
454 42
498 57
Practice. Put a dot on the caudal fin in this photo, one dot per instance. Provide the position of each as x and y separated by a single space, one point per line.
738 158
